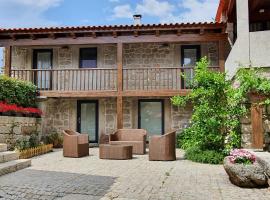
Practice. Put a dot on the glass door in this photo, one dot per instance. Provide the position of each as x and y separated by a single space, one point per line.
190 54
42 60
87 114
151 116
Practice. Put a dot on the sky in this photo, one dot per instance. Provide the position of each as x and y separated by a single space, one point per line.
40 13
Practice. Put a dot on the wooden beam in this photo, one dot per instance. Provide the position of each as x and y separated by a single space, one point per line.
201 31
120 39
78 94
155 93
73 35
257 126
221 50
179 32
114 34
119 85
8 52
104 93
136 33
13 37
33 37
157 33
52 36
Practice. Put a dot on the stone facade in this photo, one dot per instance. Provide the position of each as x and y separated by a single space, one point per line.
18 127
110 115
59 114
180 117
134 55
246 129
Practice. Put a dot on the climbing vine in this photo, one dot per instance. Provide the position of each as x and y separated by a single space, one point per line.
218 104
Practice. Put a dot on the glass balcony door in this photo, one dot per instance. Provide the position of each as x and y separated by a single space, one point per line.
151 116
42 60
190 54
87 117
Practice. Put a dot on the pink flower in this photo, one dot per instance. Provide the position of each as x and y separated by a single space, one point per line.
241 156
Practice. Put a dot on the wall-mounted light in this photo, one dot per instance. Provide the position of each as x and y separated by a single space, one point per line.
261 11
165 45
65 47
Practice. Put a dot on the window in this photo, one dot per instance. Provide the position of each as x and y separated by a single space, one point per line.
88 57
259 26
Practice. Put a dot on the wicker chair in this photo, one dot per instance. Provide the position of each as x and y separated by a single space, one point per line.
134 137
75 144
162 147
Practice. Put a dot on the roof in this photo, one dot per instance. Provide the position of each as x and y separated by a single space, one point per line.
220 9
111 27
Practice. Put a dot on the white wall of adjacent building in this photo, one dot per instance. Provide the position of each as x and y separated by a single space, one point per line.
250 48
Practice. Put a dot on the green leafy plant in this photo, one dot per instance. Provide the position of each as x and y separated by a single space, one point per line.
218 105
29 141
204 156
53 138
14 91
214 112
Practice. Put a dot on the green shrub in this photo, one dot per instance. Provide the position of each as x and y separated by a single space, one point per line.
14 91
206 156
53 138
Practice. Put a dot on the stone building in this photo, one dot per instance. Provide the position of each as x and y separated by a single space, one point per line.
97 79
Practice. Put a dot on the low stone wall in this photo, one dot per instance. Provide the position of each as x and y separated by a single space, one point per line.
19 126
246 129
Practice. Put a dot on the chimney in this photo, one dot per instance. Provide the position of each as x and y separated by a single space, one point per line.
137 19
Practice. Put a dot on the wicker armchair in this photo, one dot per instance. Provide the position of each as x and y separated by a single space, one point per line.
162 147
75 144
134 137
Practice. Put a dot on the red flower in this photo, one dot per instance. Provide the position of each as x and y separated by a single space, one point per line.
5 107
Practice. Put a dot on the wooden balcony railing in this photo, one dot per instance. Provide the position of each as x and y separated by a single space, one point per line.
70 79
158 78
105 79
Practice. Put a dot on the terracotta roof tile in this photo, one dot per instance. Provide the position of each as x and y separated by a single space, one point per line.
106 27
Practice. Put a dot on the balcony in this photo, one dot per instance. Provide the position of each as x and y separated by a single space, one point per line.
103 82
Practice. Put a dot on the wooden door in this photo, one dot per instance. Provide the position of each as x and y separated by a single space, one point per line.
257 127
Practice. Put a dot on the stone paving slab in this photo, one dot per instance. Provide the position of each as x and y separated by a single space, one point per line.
52 176
8 156
3 147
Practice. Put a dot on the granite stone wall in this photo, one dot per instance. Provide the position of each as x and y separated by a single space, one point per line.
18 126
180 117
59 114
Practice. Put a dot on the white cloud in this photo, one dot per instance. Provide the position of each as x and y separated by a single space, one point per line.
155 8
26 13
198 10
114 1
122 11
168 12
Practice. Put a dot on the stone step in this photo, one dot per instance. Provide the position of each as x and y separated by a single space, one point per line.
8 156
14 165
3 147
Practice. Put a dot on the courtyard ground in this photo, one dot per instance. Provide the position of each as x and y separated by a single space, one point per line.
52 176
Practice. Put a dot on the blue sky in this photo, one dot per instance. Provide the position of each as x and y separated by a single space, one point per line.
40 13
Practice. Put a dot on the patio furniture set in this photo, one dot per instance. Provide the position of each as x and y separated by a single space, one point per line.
121 145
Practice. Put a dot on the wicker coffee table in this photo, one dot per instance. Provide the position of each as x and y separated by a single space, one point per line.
115 152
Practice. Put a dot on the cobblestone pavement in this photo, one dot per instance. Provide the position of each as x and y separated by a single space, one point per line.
52 176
